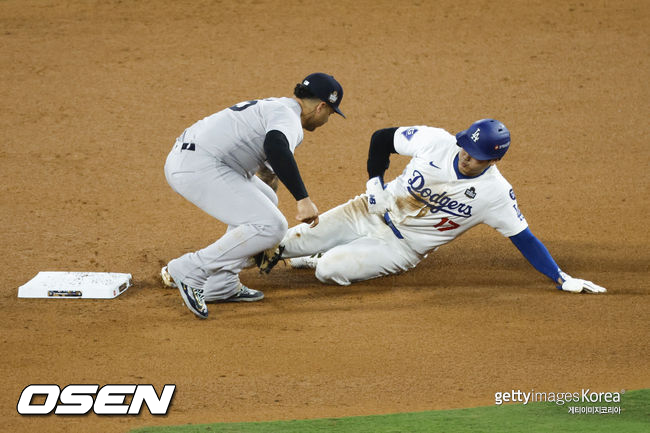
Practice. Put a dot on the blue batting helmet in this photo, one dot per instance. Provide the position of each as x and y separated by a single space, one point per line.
485 139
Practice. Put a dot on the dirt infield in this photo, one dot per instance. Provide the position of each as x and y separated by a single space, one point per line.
94 93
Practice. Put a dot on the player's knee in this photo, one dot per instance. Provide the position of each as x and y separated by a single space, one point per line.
281 227
332 272
274 230
274 198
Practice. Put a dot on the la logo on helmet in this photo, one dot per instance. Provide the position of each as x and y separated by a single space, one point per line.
475 135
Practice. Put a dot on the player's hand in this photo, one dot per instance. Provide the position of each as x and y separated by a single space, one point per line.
307 212
576 285
378 197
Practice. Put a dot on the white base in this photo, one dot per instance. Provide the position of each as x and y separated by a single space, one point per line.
94 285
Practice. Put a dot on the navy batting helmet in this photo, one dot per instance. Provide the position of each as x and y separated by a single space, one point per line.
486 139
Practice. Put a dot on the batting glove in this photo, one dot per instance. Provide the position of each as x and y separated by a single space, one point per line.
576 285
378 198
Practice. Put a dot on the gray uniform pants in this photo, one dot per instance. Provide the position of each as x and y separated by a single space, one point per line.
247 205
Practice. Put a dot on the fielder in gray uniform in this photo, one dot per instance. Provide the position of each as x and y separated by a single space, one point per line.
450 185
213 165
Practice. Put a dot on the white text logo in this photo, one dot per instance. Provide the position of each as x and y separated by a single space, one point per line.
559 398
81 399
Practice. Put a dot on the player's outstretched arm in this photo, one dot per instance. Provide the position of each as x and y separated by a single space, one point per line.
537 254
284 165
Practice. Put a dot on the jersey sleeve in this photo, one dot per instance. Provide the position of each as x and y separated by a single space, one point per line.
504 215
536 253
280 118
417 140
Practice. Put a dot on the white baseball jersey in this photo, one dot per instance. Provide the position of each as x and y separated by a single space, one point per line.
433 203
236 135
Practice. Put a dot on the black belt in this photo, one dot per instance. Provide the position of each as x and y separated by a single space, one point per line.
390 224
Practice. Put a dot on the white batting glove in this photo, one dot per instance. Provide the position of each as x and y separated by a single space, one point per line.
576 285
378 198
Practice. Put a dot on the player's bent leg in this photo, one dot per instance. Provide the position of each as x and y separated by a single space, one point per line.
364 259
266 189
236 246
337 226
239 244
246 205
224 283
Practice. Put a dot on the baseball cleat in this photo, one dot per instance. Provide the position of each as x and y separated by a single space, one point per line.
193 298
307 262
245 294
167 278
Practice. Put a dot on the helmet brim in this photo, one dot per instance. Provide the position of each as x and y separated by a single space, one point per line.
338 111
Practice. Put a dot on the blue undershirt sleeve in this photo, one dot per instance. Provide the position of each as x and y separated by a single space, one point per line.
536 253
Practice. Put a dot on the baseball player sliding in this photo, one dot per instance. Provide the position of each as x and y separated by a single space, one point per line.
213 165
450 185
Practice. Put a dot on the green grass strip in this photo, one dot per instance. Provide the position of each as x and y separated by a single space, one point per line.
533 417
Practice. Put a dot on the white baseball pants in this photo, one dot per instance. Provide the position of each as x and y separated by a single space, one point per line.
356 245
247 205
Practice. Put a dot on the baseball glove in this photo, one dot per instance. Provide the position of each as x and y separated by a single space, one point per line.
266 260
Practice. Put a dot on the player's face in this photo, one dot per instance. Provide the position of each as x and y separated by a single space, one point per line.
318 117
471 167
